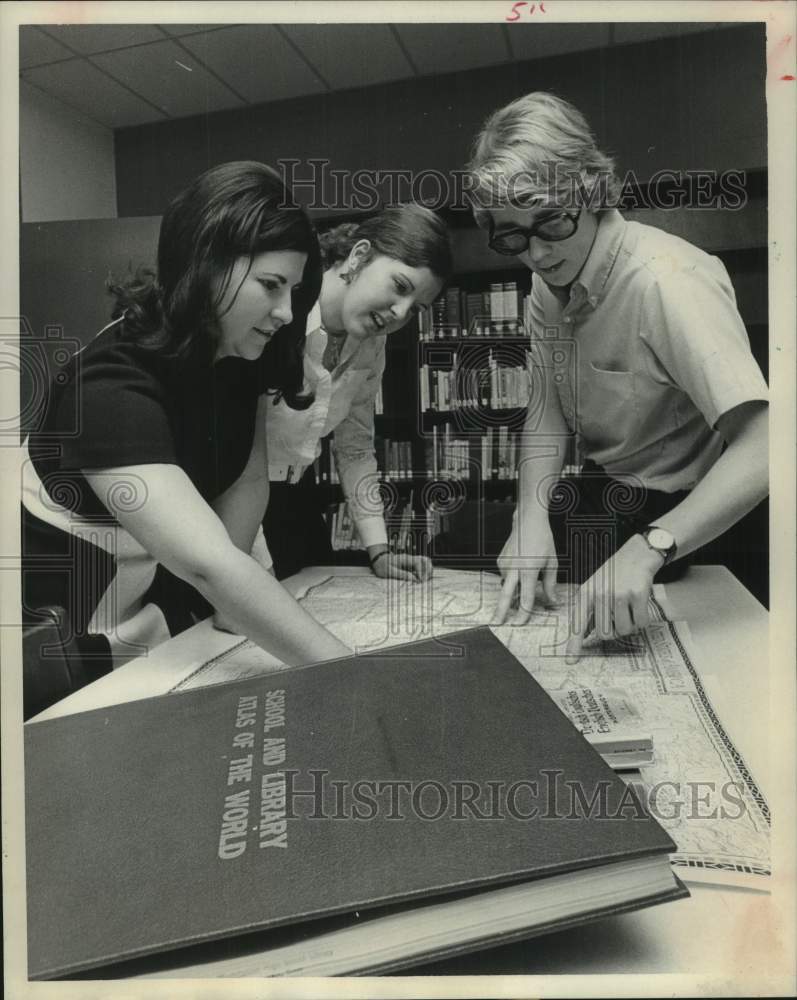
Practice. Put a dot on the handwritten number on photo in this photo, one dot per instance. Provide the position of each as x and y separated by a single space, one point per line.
532 8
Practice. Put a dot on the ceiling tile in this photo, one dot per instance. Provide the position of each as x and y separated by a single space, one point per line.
165 74
83 86
257 61
351 55
536 41
90 38
445 48
641 31
189 29
36 48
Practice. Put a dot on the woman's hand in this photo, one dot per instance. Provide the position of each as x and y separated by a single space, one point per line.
400 566
529 553
614 601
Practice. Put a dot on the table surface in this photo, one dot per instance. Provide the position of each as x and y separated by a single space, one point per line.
710 934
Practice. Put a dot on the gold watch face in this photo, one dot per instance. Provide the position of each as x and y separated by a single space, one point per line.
660 538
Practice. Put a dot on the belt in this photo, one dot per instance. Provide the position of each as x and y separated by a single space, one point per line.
285 473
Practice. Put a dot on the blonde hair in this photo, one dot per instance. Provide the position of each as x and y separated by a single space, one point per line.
539 145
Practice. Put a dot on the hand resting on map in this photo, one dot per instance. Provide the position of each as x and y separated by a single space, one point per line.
611 603
528 556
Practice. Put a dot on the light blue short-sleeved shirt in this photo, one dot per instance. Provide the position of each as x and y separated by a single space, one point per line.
653 353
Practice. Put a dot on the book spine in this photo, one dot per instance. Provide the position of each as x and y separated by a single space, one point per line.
496 305
508 297
503 432
453 379
452 309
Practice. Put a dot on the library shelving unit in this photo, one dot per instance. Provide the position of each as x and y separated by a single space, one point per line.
454 396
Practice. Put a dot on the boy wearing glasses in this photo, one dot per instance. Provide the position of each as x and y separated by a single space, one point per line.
644 358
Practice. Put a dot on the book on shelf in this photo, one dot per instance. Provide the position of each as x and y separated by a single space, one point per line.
325 467
411 530
335 516
250 828
343 534
498 310
400 523
491 455
610 722
448 457
463 384
394 459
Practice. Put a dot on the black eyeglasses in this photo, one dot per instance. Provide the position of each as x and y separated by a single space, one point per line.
552 227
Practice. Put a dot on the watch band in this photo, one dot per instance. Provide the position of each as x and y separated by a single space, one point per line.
661 541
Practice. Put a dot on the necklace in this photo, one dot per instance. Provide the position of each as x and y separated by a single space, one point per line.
333 350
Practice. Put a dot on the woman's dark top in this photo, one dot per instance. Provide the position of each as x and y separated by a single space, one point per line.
120 404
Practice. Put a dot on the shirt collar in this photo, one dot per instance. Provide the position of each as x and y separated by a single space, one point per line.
589 285
316 339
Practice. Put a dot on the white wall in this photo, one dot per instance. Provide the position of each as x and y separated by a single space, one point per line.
67 168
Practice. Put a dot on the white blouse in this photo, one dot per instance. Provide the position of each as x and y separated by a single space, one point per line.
344 403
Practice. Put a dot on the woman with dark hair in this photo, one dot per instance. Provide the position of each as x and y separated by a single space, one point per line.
377 275
169 465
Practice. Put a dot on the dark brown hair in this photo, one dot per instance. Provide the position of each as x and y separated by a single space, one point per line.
235 210
413 234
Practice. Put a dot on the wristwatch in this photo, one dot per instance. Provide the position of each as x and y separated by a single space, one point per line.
661 541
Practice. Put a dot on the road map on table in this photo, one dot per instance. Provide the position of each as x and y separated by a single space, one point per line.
698 787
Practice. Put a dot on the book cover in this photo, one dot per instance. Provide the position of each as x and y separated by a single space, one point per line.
610 722
315 792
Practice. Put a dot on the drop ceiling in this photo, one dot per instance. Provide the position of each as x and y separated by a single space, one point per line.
120 75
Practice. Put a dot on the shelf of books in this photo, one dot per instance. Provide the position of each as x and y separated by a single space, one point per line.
453 402
482 383
496 311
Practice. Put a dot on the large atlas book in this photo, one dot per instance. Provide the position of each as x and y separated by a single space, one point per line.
354 816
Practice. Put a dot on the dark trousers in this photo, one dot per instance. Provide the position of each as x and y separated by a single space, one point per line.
62 571
593 515
295 529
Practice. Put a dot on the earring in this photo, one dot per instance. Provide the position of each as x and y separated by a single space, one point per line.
350 275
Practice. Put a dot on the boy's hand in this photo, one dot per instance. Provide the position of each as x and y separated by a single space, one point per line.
528 553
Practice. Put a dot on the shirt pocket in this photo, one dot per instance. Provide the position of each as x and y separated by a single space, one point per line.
606 405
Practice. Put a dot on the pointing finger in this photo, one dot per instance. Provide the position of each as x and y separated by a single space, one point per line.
507 593
579 626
